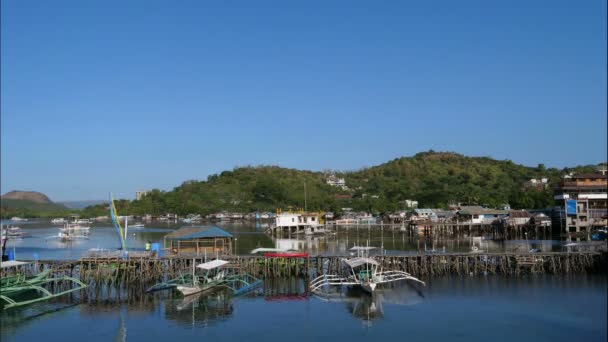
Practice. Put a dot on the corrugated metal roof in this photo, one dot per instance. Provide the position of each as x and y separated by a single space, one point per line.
519 213
483 211
188 233
424 211
589 176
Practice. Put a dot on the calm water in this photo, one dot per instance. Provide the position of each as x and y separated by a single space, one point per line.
37 245
547 308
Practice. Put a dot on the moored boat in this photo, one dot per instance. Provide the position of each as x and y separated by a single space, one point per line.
364 271
12 286
216 273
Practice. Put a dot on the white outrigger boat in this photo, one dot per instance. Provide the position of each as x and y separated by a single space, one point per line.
12 232
74 228
213 276
217 274
71 233
364 271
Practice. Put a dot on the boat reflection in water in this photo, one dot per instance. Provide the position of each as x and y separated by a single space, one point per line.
201 309
368 307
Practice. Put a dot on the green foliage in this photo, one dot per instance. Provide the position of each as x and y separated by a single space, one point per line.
435 179
24 208
7 213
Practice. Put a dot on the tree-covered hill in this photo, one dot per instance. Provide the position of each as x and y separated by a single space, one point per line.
435 179
438 179
29 204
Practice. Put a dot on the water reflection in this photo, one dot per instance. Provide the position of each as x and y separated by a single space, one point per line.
555 308
250 236
368 307
200 310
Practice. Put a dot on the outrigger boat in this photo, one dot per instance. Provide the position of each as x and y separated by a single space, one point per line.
217 274
364 271
11 287
11 232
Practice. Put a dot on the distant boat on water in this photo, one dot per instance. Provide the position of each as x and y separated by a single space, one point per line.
11 232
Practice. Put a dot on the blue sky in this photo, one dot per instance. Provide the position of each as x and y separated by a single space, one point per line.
102 96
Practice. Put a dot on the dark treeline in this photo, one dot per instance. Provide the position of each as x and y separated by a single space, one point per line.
434 179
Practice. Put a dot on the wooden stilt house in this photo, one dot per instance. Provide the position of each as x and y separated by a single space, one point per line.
199 241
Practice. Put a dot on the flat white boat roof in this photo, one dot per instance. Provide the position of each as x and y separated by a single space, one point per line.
13 263
356 262
212 264
268 250
362 248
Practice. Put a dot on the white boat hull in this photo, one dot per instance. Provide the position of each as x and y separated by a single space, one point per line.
190 290
369 287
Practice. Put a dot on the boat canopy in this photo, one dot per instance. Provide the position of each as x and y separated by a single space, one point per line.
212 264
362 248
356 262
13 263
268 250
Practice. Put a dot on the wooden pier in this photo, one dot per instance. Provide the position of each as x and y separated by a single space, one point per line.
141 272
454 229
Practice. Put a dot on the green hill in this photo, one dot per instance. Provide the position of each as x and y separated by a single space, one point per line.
435 179
29 204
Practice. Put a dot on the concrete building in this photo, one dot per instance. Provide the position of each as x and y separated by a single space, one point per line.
583 198
538 184
411 204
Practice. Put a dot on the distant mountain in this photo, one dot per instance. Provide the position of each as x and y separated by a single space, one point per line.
31 196
81 204
29 203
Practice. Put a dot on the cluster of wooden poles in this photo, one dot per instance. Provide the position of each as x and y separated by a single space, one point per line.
141 272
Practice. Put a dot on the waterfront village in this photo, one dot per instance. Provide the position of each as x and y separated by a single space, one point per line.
579 218
581 208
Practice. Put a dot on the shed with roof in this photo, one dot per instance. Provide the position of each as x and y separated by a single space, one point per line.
201 240
478 214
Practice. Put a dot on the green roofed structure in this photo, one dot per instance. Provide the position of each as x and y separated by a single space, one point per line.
199 241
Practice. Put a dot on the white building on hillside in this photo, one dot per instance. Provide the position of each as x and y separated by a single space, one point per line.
338 182
140 194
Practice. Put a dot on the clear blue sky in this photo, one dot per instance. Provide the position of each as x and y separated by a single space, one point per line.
102 96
